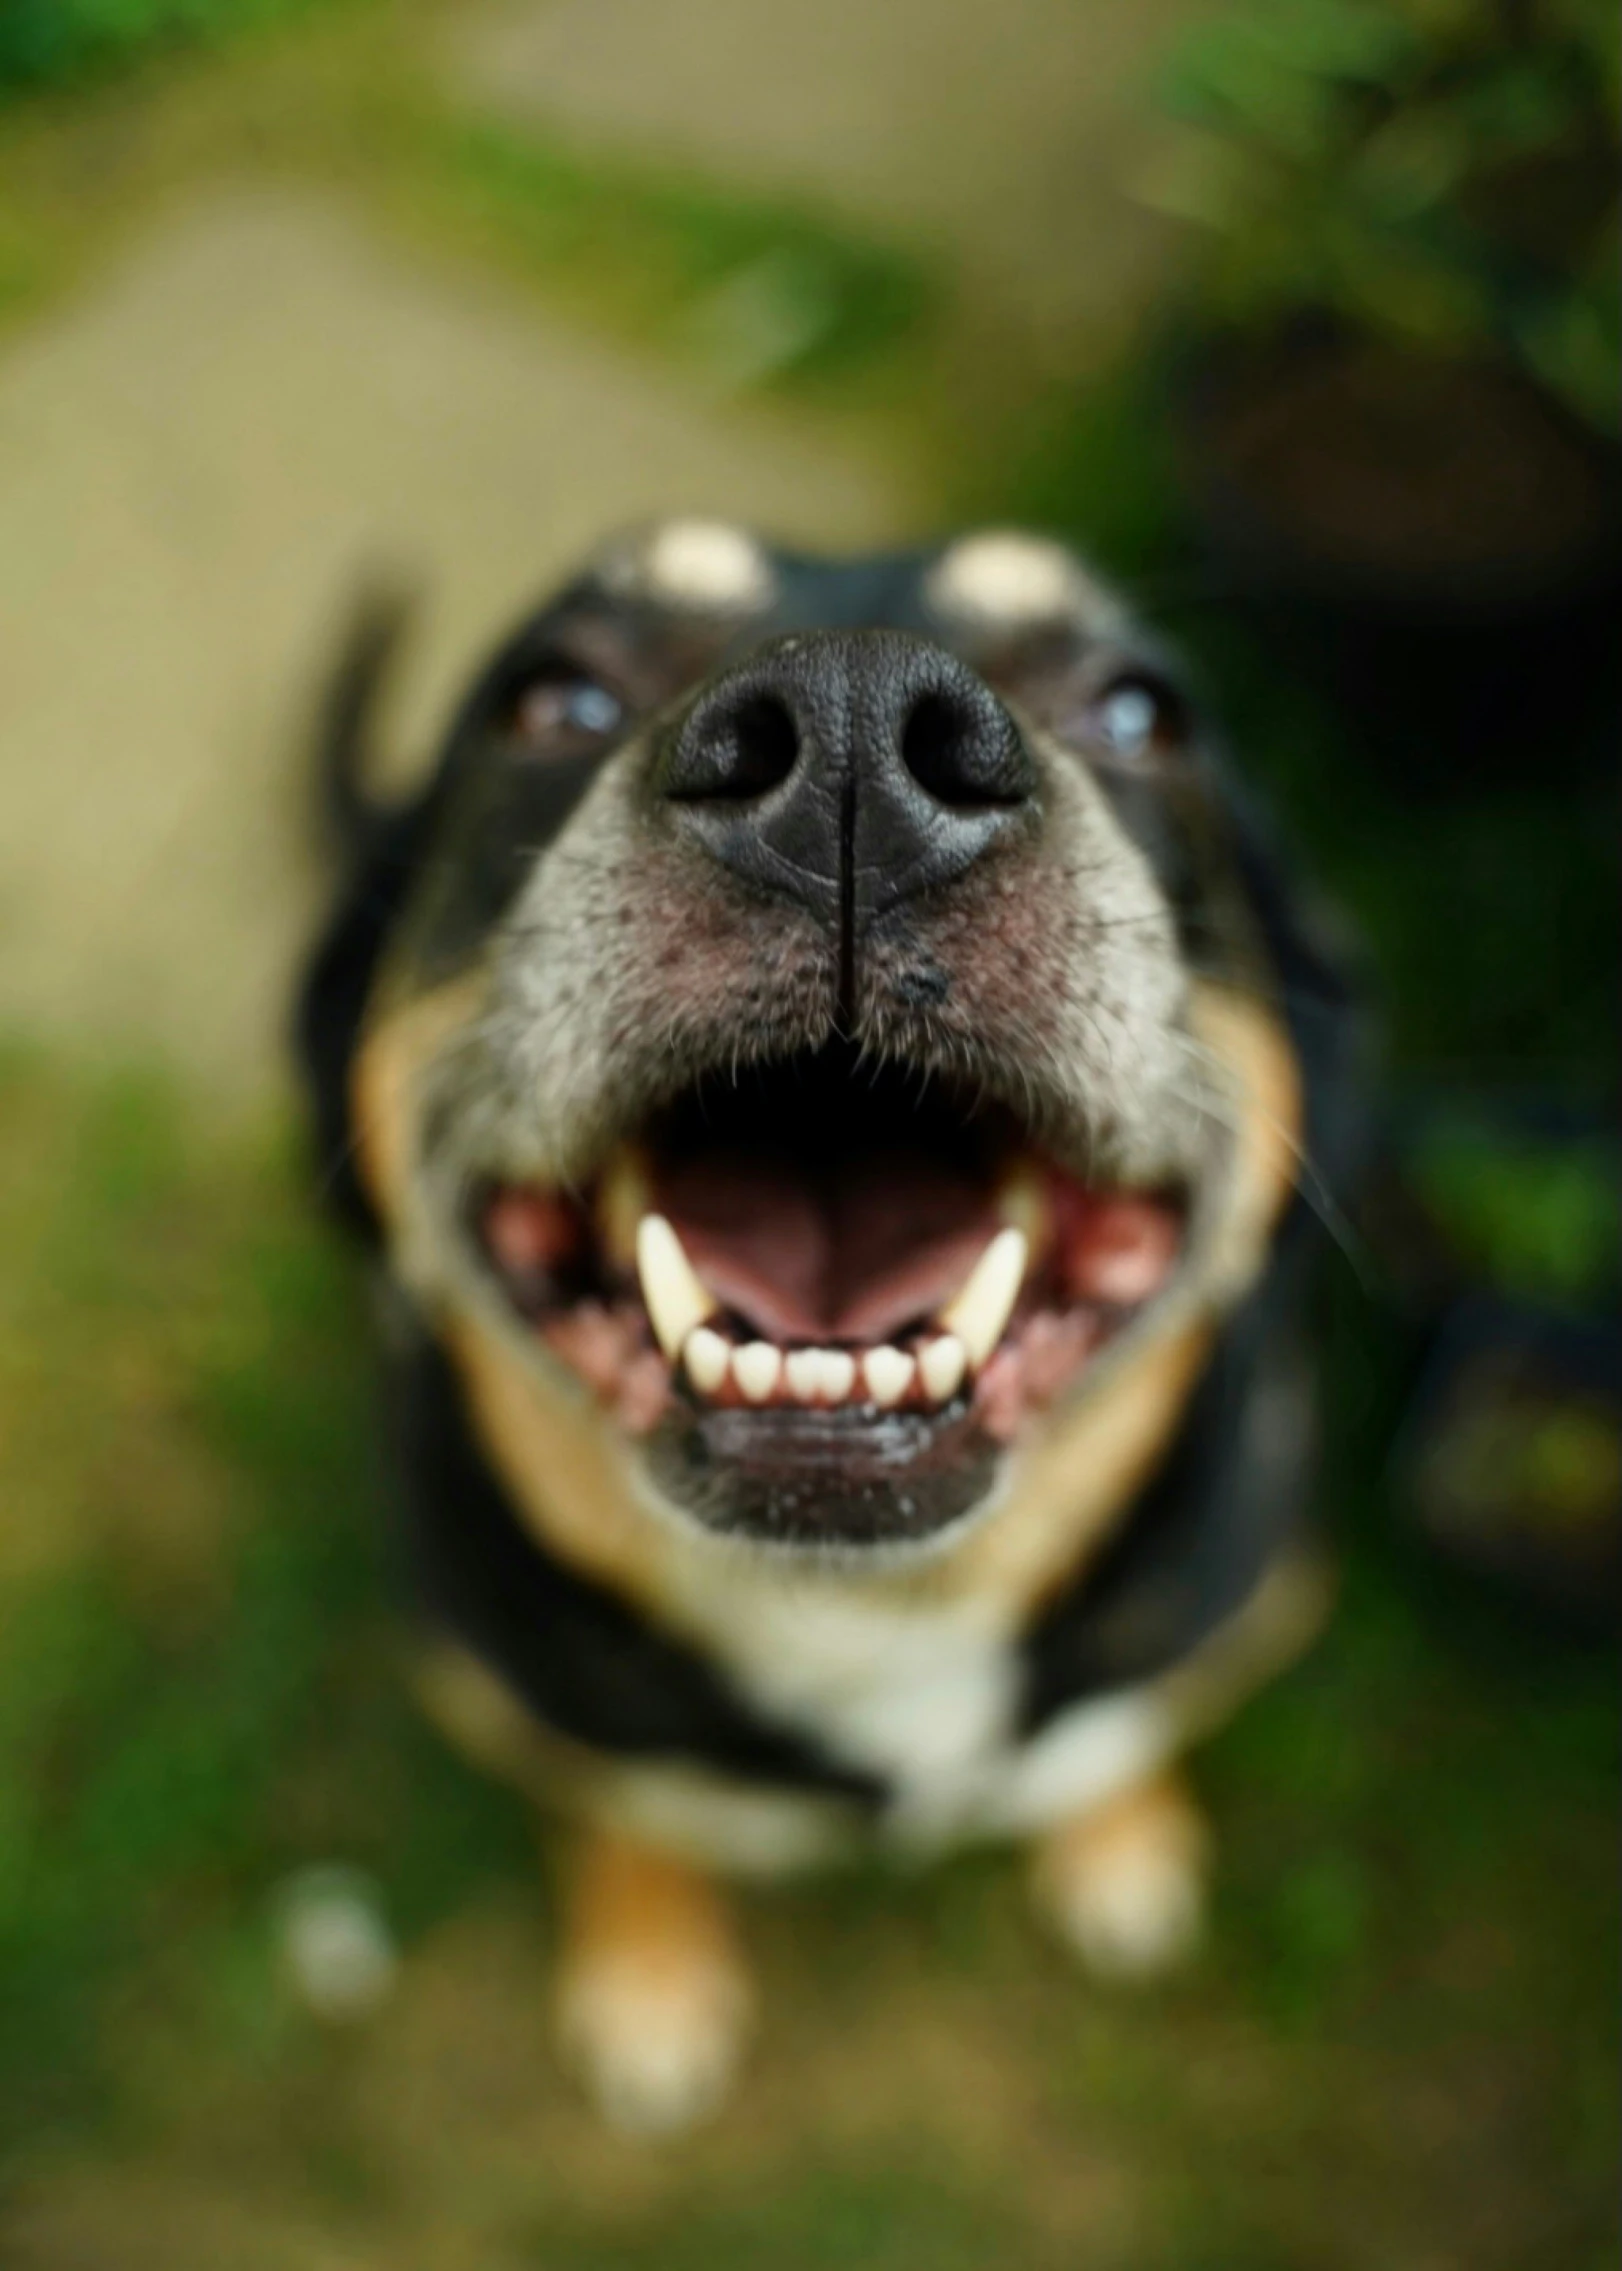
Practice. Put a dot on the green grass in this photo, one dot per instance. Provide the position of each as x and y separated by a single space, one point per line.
1402 2028
176 1329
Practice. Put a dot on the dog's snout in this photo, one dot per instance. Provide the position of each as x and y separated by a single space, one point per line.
847 770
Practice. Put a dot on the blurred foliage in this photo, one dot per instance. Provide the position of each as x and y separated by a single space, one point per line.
1440 171
1538 1218
49 42
759 290
1516 982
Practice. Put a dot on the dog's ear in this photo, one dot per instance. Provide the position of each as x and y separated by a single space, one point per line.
378 846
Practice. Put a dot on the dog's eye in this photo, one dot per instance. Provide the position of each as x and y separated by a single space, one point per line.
564 712
1135 718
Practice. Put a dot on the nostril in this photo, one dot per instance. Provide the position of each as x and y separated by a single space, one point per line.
932 748
764 741
957 755
739 748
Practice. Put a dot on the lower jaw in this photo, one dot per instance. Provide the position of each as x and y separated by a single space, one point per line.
816 1481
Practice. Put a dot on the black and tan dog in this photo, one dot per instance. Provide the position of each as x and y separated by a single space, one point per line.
825 1062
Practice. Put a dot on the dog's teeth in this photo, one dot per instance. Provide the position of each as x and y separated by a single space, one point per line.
707 1357
804 1369
980 1311
887 1374
675 1299
820 1375
1022 1204
838 1375
941 1366
622 1201
756 1367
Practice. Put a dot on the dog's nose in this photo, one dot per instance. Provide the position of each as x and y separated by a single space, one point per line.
847 770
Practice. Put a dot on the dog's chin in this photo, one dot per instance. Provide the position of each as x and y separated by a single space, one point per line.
821 1299
828 1483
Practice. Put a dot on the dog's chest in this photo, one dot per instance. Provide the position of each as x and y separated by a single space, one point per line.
925 1696
910 1685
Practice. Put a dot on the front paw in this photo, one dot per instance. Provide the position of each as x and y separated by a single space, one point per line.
654 2004
1124 1888
654 2043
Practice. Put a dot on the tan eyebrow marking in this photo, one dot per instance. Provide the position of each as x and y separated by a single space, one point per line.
704 566
1001 578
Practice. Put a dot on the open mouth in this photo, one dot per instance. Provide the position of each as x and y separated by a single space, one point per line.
822 1254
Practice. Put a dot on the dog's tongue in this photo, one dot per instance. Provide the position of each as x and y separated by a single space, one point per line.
852 1253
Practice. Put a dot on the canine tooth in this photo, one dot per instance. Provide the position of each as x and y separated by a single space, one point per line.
755 1367
707 1356
622 1201
888 1374
1022 1204
941 1366
676 1300
838 1374
984 1304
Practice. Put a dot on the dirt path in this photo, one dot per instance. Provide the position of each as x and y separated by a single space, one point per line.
1000 141
197 463
268 393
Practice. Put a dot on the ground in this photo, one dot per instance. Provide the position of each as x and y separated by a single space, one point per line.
444 292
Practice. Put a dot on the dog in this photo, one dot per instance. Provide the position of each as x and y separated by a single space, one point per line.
843 1095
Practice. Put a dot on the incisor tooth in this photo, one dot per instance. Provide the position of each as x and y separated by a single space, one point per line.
888 1374
941 1366
981 1309
838 1375
676 1301
804 1369
706 1356
755 1367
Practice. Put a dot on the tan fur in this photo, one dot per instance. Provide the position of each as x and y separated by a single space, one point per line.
1160 1812
485 1720
653 1999
706 566
556 1455
628 1904
1087 1470
1006 579
1072 1485
1124 1883
399 1044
